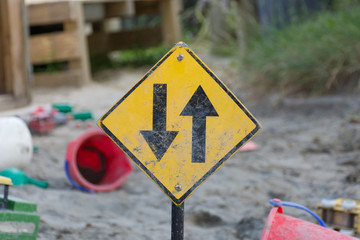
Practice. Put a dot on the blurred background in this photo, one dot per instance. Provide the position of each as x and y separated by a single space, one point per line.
296 47
295 64
290 47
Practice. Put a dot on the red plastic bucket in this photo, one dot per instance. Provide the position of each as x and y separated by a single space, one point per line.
94 163
282 227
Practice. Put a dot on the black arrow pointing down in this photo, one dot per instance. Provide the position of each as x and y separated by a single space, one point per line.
158 139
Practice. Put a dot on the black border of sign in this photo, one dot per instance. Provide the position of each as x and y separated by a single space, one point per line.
217 165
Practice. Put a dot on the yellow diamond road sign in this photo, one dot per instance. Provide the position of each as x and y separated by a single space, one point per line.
179 123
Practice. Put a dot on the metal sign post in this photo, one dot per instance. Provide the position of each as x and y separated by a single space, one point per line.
177 221
179 124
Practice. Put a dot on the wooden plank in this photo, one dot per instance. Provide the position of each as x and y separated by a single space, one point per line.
170 23
70 46
74 63
98 27
103 43
50 13
83 61
57 79
3 21
6 41
52 47
94 12
98 11
120 9
14 55
16 36
32 2
17 62
2 74
147 7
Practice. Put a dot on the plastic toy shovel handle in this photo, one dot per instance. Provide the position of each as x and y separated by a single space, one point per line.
37 182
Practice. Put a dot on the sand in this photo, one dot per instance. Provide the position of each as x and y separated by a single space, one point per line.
308 150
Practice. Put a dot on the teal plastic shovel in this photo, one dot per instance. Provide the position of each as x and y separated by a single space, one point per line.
18 177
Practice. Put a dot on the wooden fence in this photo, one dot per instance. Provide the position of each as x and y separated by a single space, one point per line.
64 33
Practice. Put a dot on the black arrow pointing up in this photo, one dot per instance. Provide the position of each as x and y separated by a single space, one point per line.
158 139
199 107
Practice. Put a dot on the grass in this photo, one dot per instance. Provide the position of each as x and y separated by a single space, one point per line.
318 56
128 58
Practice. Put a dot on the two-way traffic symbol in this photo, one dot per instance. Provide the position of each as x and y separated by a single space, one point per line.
199 107
179 123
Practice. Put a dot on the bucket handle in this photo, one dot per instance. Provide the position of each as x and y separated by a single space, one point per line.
278 203
77 186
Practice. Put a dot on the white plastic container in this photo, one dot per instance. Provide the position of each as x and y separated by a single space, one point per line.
16 147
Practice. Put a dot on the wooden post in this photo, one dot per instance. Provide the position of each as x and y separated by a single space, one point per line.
170 23
5 35
79 26
18 48
2 37
14 55
68 45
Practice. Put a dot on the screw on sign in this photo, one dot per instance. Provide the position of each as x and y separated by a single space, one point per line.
179 124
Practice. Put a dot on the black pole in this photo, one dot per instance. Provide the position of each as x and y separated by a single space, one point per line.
177 222
6 193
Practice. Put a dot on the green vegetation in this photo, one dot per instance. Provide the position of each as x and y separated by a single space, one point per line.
128 58
50 68
317 56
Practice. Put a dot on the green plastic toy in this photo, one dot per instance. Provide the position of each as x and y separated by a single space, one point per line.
18 218
83 115
18 177
63 107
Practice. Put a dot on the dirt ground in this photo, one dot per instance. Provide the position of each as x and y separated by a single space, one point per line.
308 150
